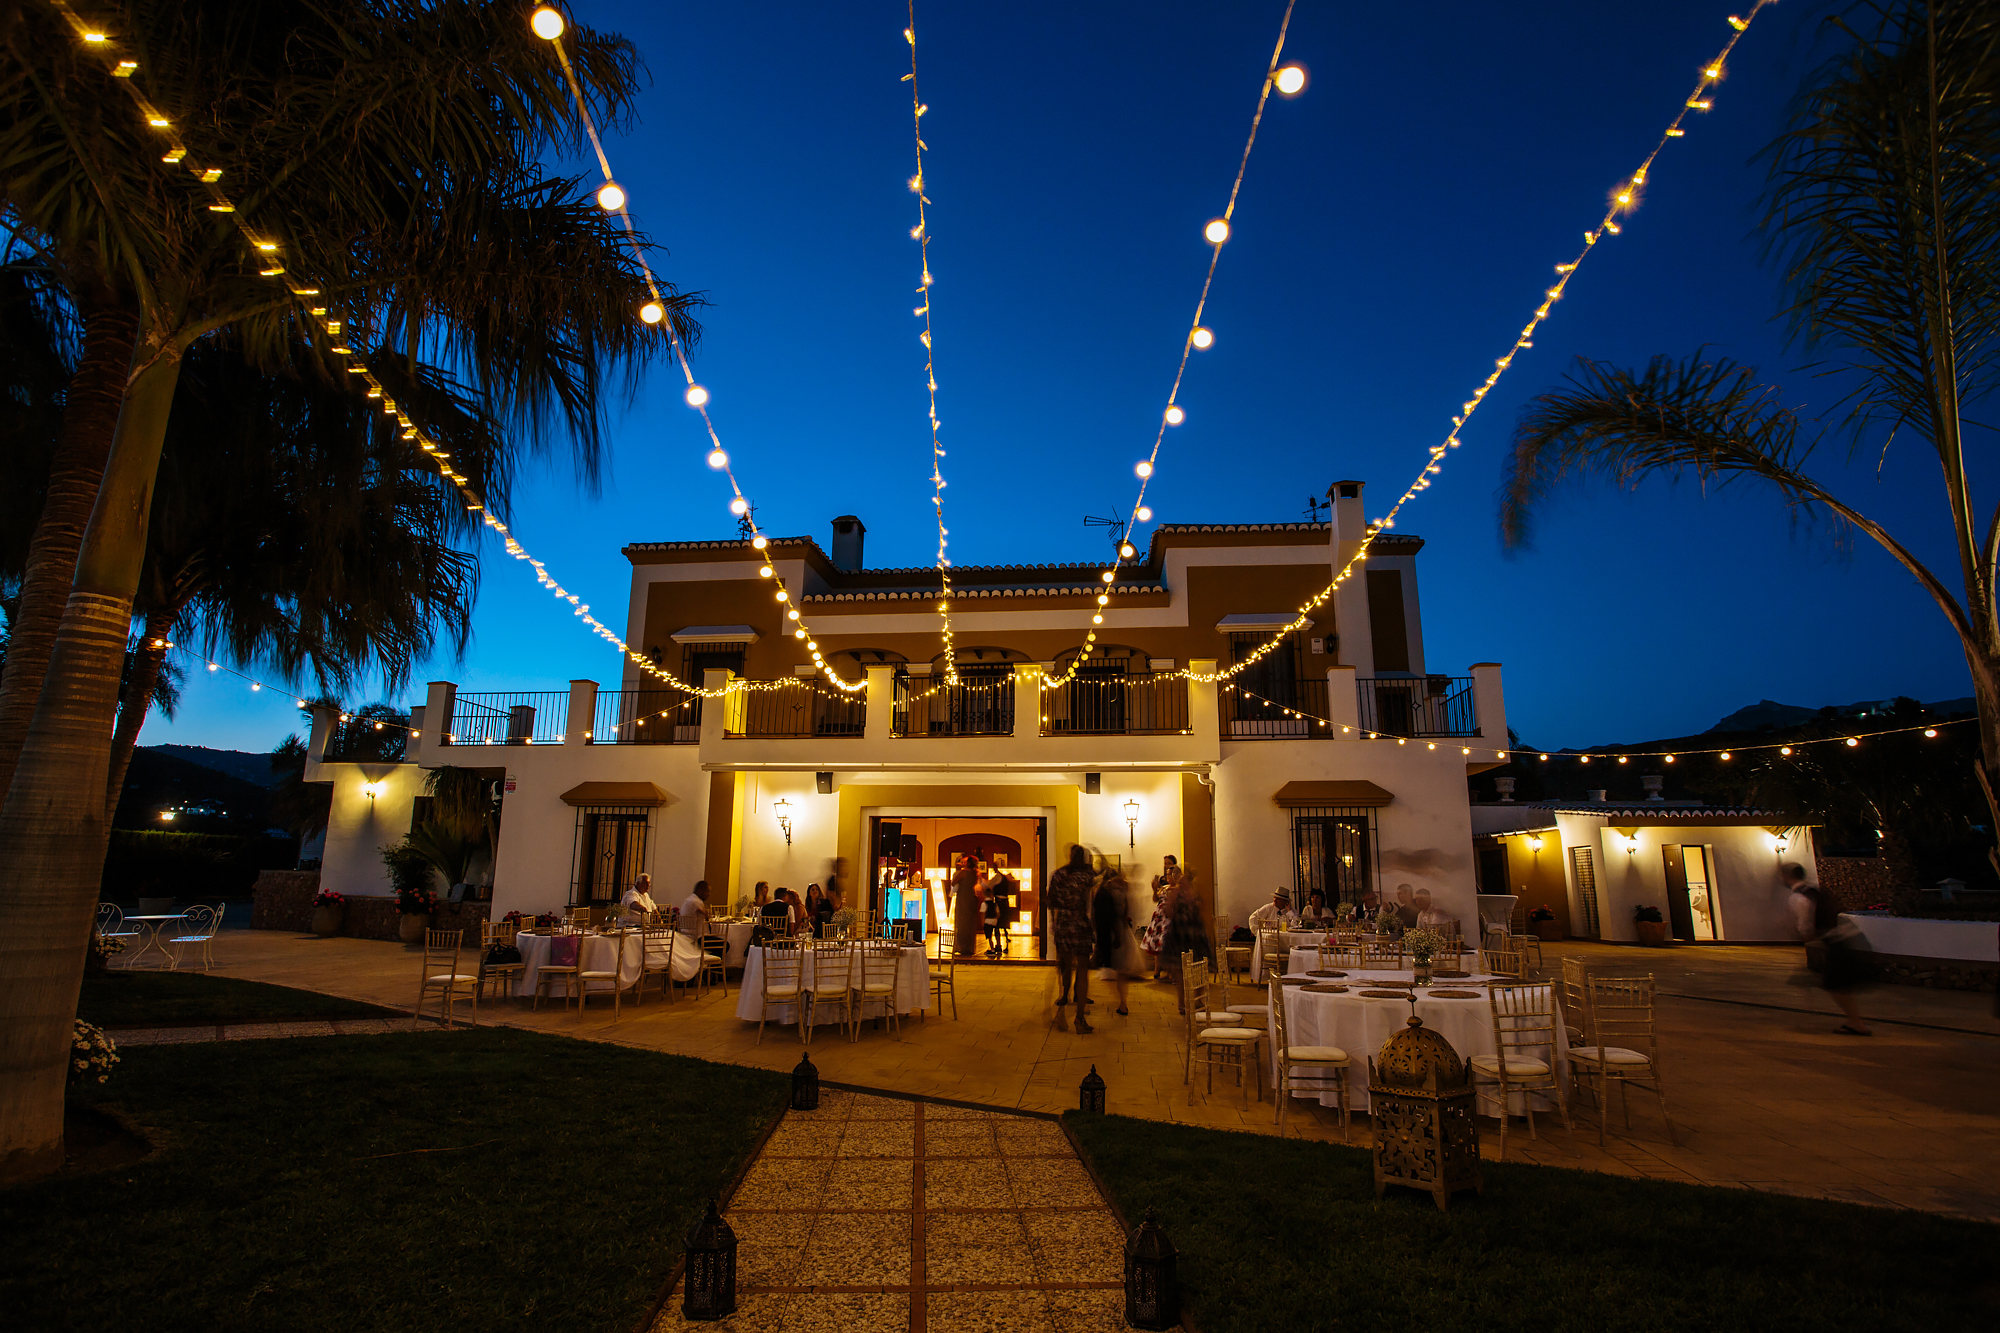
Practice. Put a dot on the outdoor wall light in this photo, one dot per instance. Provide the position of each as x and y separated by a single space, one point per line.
371 790
1535 843
1131 823
782 808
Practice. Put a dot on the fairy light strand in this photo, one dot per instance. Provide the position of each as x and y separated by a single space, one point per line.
922 235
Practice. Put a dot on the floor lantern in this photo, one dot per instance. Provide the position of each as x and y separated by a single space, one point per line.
709 1291
805 1084
1420 1103
1152 1293
1090 1093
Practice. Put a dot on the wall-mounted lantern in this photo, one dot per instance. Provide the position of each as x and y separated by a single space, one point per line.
371 790
1535 843
1131 823
1631 836
782 808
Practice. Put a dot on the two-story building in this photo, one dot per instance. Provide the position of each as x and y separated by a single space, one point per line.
1336 763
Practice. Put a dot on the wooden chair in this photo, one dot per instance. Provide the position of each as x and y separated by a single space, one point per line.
656 959
782 984
714 963
874 979
198 932
1325 1064
1273 951
1382 955
1214 1038
496 934
1620 1010
831 983
1526 1028
441 974
1248 1012
899 931
1575 1003
564 964
1341 956
1235 957
585 976
943 974
1510 963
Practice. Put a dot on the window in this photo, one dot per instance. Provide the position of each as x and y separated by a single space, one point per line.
1334 854
697 658
1584 866
613 846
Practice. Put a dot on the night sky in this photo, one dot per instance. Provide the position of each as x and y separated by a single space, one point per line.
1398 224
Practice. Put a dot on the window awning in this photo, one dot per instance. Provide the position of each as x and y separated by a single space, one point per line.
615 793
1338 792
715 634
1253 622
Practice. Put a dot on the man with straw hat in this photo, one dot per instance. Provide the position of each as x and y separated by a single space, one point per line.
1276 913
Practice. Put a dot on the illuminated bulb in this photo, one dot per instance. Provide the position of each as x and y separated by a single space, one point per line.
157 122
1625 198
1103 600
717 459
213 667
1203 338
792 614
1784 749
1143 514
1930 733
798 634
1725 754
93 37
1144 469
652 312
765 572
696 395
1106 576
1712 72
1670 759
1097 620
1217 232
255 686
611 197
783 596
739 506
1676 133
1127 551
1291 80
547 23
1737 23
1852 742
1621 759
760 541
1175 416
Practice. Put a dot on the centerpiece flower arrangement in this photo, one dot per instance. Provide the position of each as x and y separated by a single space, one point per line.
1386 921
91 1053
1344 913
843 921
1423 945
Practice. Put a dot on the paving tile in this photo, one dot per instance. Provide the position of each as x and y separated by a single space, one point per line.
1076 1247
882 1108
1032 1138
959 1139
963 1182
848 1312
976 1247
1100 1311
878 1138
755 1313
867 1184
987 1312
1046 1183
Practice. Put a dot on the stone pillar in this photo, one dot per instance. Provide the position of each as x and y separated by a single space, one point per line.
881 714
1343 701
1027 701
582 713
439 698
719 714
1350 599
1204 703
1489 703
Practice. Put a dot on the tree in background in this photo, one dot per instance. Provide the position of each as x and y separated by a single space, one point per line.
1884 207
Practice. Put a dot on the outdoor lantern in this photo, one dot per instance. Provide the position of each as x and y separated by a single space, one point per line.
1131 823
1420 1101
782 808
1152 1296
710 1290
805 1085
1090 1093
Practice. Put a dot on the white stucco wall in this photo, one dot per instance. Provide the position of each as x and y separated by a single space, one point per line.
1750 898
358 827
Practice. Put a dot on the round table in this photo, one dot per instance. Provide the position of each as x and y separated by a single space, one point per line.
913 983
596 954
150 927
1360 1024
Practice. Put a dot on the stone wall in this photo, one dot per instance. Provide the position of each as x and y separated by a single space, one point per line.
1855 882
1938 973
283 901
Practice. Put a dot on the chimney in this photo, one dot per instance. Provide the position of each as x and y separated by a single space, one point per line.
847 534
1596 795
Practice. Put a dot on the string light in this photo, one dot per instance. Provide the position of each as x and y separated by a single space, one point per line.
547 23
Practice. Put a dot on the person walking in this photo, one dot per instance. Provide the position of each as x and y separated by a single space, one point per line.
1069 898
1110 911
1187 931
1818 921
1156 930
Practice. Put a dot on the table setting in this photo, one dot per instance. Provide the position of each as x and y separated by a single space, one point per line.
596 951
913 989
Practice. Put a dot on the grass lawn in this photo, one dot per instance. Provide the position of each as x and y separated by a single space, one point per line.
292 1194
1283 1234
165 999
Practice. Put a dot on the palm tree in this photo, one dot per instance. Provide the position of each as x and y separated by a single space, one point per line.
391 146
1884 207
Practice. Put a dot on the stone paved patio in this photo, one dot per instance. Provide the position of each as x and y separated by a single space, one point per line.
1765 1094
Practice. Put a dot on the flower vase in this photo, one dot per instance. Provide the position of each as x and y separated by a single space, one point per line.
326 920
1422 967
410 930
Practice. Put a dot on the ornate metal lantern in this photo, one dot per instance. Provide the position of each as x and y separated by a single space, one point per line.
805 1084
1090 1093
1152 1292
1420 1102
710 1289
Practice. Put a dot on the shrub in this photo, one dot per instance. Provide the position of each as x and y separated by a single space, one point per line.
411 877
1647 914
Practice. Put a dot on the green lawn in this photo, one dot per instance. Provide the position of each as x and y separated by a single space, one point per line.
165 999
292 1196
1287 1235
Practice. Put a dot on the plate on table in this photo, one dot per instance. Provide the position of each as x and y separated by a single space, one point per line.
1453 994
1387 994
1291 981
1327 990
1454 976
1323 973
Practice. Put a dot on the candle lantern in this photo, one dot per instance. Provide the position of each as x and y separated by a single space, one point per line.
1152 1292
805 1084
1420 1102
1090 1093
709 1291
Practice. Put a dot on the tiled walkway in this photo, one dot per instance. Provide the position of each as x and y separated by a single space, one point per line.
878 1214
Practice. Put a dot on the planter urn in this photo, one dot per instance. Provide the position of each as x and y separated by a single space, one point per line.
1652 934
1548 932
410 930
327 920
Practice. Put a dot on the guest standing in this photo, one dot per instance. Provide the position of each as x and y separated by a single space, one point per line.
1110 910
965 908
1187 930
1069 898
1156 929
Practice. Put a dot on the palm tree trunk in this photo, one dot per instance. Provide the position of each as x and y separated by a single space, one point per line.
138 702
90 416
53 828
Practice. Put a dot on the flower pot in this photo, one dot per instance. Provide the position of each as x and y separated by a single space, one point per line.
326 920
1652 934
410 930
1548 932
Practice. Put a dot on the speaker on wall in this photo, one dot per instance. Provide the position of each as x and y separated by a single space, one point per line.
1093 783
825 783
889 839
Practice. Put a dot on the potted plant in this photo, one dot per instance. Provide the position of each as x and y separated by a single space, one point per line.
1652 927
1423 945
1543 922
411 877
329 911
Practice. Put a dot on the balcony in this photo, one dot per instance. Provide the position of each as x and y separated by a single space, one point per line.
1418 706
645 717
507 719
1282 711
361 740
1117 706
981 704
796 713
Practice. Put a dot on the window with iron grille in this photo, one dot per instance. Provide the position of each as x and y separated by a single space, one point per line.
1334 853
1584 863
614 845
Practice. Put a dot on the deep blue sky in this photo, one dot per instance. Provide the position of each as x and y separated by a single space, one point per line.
1397 225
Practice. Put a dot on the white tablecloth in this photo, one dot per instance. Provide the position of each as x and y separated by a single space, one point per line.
1293 939
913 984
597 953
1359 1026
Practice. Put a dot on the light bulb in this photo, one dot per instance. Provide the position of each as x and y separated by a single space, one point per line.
1144 468
1217 232
1107 576
798 634
547 23
783 596
793 614
1103 600
1202 337
1291 80
1143 514
1127 551
1930 733
652 312
1175 416
1852 742
765 572
1784 749
1097 620
611 197
717 459
760 541
739 506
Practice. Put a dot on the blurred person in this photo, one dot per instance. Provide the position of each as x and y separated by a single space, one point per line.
1817 918
1068 896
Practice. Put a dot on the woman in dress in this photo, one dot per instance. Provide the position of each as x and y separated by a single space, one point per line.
1156 929
1110 913
965 916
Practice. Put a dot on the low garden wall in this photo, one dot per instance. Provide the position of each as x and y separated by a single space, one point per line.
283 901
1855 882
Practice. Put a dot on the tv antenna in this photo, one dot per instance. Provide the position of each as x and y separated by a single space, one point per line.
1116 533
1313 507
